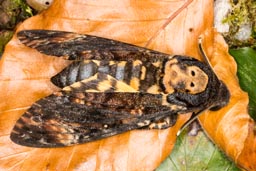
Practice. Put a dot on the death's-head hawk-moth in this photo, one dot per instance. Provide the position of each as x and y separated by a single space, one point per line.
112 87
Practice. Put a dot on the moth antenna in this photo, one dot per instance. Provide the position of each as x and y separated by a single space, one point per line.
206 59
193 117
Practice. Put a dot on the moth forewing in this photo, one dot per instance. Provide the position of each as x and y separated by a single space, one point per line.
112 87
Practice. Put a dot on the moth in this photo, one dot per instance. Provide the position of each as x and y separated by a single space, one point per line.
112 87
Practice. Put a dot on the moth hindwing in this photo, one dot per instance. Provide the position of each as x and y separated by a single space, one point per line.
112 87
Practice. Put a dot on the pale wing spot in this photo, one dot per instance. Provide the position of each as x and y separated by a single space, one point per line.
79 101
152 126
143 73
144 123
122 87
86 61
104 85
42 141
86 52
97 62
76 85
67 139
171 56
57 93
137 62
92 91
135 83
160 125
157 64
136 112
177 107
85 137
154 89
122 63
112 62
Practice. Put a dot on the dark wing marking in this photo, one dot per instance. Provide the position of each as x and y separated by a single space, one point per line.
78 46
66 118
89 110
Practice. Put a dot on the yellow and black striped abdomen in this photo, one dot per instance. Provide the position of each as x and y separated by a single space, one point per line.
142 76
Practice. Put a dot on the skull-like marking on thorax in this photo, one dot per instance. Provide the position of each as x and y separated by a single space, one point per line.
181 77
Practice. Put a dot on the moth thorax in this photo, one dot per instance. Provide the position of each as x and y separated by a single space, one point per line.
181 77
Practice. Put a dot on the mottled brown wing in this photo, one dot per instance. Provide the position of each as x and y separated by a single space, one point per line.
79 46
67 117
89 110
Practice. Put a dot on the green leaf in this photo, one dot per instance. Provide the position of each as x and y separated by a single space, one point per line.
246 61
5 36
196 153
12 12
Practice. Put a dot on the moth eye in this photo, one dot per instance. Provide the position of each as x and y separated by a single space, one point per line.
193 73
187 91
192 84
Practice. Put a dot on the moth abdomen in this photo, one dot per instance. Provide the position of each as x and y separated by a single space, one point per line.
76 71
141 75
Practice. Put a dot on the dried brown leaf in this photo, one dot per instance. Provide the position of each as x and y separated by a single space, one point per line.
231 128
168 26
